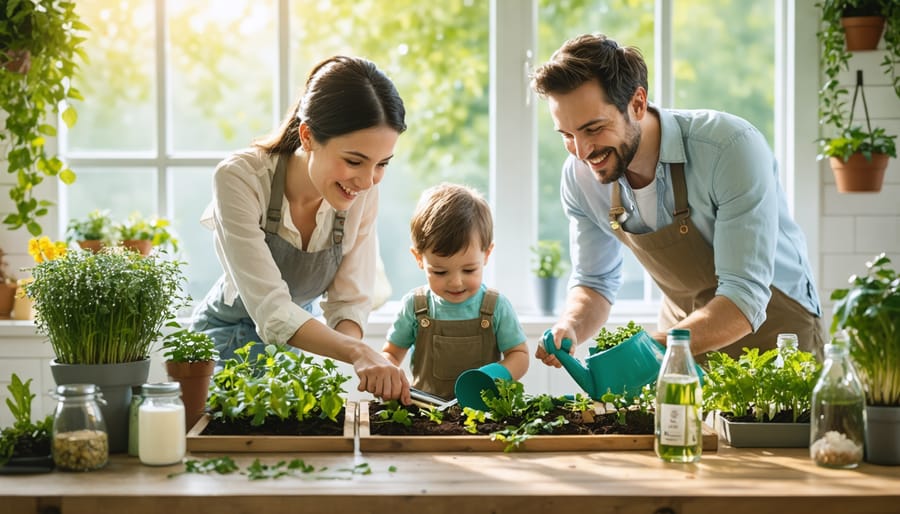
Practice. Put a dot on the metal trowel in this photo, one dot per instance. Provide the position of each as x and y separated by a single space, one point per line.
428 400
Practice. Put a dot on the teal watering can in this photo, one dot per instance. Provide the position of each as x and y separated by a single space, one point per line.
626 367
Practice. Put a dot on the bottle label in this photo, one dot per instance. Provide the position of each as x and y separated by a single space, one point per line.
674 425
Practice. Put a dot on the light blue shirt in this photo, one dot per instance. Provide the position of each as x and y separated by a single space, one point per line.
736 202
507 328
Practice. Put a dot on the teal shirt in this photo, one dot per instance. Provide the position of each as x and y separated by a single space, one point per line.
506 324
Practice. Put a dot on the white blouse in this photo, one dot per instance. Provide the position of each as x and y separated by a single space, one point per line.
241 189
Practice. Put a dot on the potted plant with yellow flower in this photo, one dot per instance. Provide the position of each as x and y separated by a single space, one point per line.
143 234
102 312
41 249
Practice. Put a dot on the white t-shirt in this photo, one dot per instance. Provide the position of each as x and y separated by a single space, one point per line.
645 199
242 185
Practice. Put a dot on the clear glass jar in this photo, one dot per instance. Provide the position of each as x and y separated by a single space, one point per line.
837 428
161 433
80 441
679 418
786 344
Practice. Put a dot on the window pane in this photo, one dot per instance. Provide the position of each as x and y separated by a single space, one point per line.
438 59
124 191
223 57
707 73
118 83
191 193
629 22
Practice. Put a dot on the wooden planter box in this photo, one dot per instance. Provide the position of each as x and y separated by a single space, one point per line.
763 435
196 442
483 443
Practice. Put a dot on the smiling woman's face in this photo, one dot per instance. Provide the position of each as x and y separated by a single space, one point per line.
349 164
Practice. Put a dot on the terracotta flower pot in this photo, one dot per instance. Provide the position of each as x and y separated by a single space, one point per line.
7 297
862 32
859 174
139 245
94 245
194 379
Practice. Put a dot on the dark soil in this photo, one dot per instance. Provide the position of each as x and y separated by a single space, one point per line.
636 423
785 416
28 446
276 426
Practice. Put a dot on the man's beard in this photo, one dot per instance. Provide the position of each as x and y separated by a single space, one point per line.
624 154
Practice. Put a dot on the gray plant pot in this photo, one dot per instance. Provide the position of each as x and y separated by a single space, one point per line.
883 435
115 382
545 294
741 434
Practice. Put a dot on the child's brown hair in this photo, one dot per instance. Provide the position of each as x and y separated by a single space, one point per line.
446 218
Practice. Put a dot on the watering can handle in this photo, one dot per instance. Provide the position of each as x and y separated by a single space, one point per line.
550 346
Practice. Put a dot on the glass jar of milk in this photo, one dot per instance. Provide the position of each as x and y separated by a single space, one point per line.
161 439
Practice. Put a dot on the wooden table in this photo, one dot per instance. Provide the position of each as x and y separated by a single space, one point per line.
732 481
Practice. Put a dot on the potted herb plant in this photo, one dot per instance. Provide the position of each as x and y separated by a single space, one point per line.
856 25
762 399
869 310
143 234
92 232
102 312
24 446
40 42
858 154
547 267
190 361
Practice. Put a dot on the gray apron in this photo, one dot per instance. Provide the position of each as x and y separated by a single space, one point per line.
445 348
307 274
682 264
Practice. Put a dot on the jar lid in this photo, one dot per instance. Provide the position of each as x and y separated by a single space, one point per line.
70 390
161 388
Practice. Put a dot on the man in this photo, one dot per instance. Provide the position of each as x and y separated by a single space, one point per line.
695 196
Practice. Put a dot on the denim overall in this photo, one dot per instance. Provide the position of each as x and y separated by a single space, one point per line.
682 264
445 348
307 274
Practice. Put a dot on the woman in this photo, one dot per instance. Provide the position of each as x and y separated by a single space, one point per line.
294 217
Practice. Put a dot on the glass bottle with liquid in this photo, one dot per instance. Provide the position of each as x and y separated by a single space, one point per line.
80 441
837 427
161 439
679 419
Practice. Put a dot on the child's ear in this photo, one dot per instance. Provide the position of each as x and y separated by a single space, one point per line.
418 257
487 253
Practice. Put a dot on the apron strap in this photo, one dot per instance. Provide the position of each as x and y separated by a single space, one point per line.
420 306
679 188
273 212
337 230
487 307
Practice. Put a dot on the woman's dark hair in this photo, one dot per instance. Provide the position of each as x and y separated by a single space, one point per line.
343 95
619 70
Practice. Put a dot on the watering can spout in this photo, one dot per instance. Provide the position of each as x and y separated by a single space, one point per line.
578 371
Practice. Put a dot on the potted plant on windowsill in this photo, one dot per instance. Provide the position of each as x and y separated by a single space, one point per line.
869 310
143 234
39 42
547 267
190 361
102 312
8 287
761 400
92 232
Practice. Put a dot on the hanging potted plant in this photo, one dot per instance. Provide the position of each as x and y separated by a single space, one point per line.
39 42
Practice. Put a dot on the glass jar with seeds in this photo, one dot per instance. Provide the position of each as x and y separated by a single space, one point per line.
80 441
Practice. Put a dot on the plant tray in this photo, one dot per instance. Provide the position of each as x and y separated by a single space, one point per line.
483 443
763 435
197 442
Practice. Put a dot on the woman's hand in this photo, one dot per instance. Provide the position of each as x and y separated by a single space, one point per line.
381 378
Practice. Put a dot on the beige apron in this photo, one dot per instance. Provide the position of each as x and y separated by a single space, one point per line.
682 264
445 348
